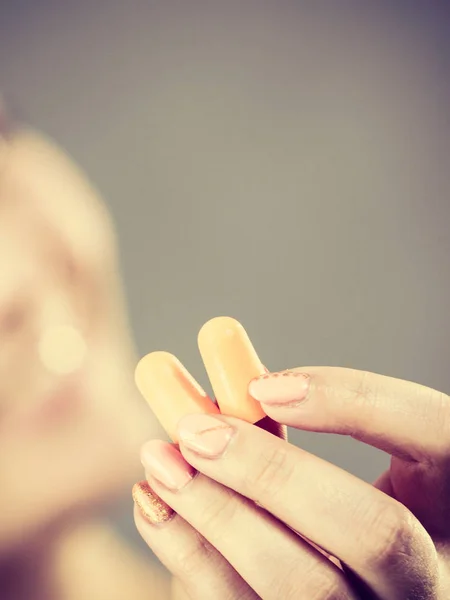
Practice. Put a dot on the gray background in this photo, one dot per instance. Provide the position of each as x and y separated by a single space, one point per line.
282 162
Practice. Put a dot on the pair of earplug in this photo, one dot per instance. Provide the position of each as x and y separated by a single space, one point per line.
231 363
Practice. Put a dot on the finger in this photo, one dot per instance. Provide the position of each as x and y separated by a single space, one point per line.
270 557
403 418
202 572
384 483
373 534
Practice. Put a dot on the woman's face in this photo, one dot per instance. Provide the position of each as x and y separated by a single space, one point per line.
70 423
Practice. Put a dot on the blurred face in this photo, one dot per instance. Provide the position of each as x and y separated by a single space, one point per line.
70 422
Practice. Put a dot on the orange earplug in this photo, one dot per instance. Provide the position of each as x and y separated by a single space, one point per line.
170 390
231 363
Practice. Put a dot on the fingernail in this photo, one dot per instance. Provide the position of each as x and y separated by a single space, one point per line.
165 463
284 388
152 508
205 435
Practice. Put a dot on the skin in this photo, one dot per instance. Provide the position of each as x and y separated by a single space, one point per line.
385 541
240 510
58 257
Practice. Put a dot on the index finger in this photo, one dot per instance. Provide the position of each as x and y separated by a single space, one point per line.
403 418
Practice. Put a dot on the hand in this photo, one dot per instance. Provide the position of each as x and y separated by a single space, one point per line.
191 547
392 539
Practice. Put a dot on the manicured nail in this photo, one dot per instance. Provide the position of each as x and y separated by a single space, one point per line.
165 463
152 508
284 388
205 435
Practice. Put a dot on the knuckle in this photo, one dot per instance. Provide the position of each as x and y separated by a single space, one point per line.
191 558
271 474
360 391
392 534
364 390
361 384
218 514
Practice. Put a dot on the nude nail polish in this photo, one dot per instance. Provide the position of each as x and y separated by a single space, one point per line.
283 388
205 435
165 463
231 363
170 390
152 508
